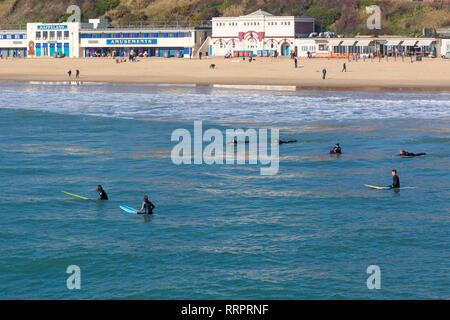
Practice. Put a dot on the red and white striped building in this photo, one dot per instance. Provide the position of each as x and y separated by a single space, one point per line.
258 33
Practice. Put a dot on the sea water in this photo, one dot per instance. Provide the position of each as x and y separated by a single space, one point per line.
221 231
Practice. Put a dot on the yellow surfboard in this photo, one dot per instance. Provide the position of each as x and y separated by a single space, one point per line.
74 195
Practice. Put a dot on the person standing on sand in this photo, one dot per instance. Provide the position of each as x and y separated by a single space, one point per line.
70 74
295 63
344 68
324 73
77 75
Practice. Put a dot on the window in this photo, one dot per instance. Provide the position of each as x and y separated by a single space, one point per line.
52 35
45 35
59 35
38 35
66 35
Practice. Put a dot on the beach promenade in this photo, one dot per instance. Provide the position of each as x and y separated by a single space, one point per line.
427 75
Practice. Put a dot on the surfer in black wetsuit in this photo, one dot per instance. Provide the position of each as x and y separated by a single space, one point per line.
337 149
284 141
102 193
404 153
395 180
147 207
235 141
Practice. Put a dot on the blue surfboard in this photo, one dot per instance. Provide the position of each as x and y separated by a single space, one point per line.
128 209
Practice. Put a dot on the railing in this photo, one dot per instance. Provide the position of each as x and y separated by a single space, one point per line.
161 24
134 25
13 27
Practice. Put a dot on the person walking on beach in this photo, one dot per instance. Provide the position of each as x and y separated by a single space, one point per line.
77 74
147 207
70 74
344 67
295 63
324 73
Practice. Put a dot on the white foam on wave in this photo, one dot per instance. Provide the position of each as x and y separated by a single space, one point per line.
211 104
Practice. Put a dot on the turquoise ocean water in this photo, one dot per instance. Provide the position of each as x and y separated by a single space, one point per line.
221 231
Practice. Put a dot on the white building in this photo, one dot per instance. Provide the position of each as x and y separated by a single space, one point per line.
47 39
258 33
95 39
13 43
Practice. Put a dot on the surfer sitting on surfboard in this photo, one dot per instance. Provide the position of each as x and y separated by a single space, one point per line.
404 153
395 180
336 149
102 193
147 207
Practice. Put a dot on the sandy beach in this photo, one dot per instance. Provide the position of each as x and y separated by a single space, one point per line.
427 75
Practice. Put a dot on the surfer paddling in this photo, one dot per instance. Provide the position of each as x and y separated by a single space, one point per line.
395 180
404 153
147 207
102 193
284 141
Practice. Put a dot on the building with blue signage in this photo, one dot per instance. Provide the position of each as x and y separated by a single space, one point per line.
96 39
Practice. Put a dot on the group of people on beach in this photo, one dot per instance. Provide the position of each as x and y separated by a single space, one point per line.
77 74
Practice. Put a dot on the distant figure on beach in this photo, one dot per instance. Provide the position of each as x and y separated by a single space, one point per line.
102 193
344 67
324 73
295 63
395 180
200 55
77 74
212 66
70 74
147 207
404 153
337 149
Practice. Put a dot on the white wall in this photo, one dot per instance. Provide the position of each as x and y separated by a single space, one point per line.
445 46
72 27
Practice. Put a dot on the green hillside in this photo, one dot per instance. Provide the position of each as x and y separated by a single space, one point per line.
342 16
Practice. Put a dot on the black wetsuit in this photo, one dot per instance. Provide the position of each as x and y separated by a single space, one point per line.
395 182
103 195
338 150
410 154
290 141
147 208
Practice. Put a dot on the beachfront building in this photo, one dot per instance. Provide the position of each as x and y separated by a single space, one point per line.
258 33
96 39
13 43
373 46
263 34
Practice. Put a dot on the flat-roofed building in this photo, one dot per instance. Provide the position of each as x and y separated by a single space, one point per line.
13 43
96 39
